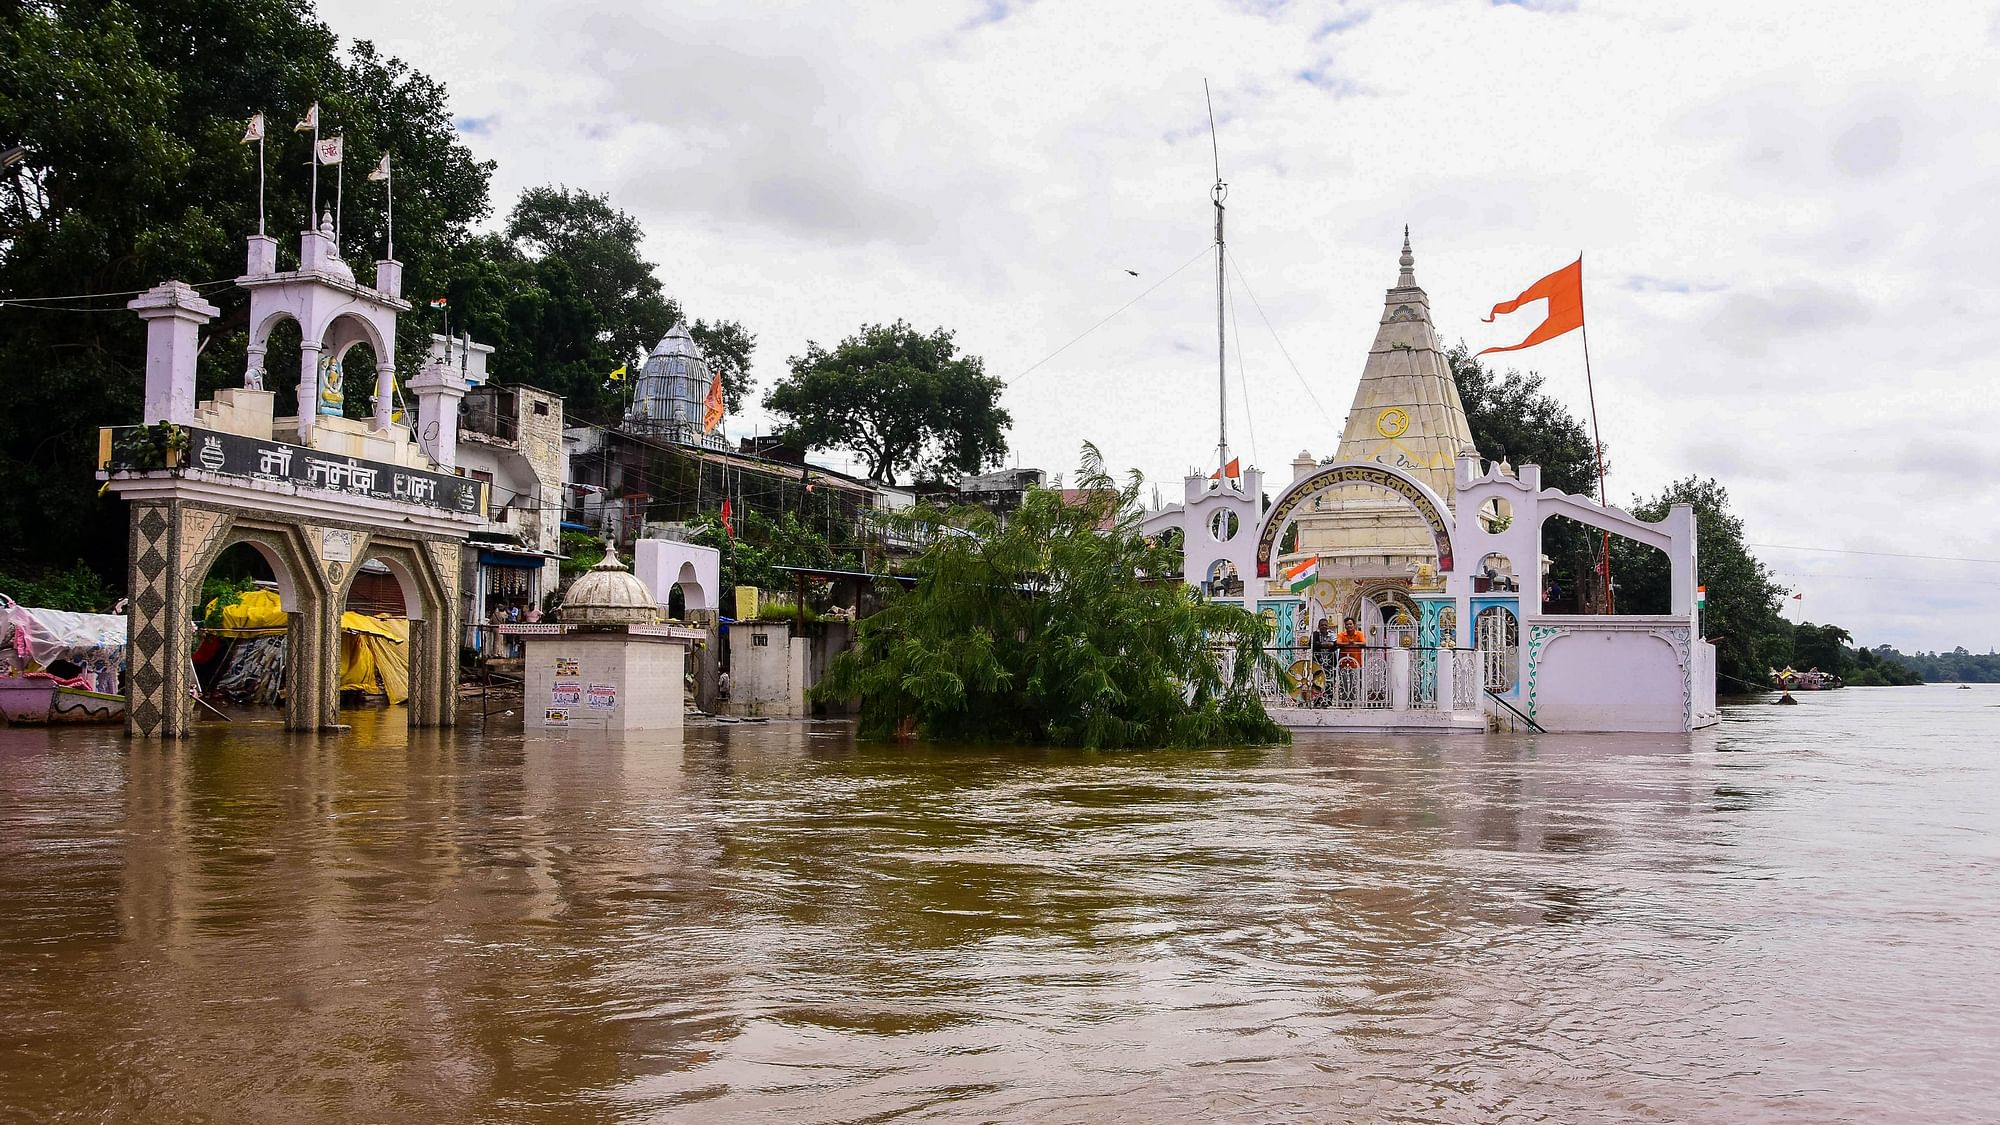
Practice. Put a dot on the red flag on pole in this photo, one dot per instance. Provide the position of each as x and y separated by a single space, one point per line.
1563 290
727 527
1232 470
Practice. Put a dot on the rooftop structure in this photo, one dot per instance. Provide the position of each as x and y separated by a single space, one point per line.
671 394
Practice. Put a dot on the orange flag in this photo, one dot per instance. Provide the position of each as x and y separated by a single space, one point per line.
711 412
1232 470
1563 290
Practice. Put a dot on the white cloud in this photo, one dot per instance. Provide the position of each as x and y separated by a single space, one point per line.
1787 213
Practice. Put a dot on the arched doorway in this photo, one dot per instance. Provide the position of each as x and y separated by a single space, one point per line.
395 629
255 611
1496 635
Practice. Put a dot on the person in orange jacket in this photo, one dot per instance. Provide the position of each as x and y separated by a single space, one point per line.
1350 641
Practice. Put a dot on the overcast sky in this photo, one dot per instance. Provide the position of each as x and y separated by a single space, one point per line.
1790 215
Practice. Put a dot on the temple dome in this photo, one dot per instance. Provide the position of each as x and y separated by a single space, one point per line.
609 594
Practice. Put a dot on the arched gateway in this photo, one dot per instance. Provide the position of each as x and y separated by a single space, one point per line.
315 496
1428 506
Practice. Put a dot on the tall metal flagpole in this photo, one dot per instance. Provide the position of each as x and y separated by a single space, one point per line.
339 178
1218 193
260 177
1590 386
389 190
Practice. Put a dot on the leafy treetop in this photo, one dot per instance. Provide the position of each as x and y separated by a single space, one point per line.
905 401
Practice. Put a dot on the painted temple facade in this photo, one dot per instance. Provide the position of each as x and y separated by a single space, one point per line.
1437 554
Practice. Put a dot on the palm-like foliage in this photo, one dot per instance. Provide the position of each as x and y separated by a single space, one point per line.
1053 628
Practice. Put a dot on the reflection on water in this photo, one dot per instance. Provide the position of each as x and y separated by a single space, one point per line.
773 922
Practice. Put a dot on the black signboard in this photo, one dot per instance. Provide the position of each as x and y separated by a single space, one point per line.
236 455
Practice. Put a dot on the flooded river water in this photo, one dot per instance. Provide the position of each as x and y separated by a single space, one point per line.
1793 917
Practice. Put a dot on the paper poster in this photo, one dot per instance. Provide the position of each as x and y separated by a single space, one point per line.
566 695
555 717
601 697
565 666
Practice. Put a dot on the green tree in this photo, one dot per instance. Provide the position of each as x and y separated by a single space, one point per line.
1511 417
903 400
130 118
1742 616
1047 630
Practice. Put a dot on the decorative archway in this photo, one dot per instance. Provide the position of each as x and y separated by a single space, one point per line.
430 608
1419 496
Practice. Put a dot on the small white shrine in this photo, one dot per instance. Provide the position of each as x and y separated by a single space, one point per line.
1435 553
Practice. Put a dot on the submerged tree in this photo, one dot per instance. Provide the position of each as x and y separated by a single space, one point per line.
1053 628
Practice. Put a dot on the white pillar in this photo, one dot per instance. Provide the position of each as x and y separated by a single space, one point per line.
439 390
1399 679
308 388
174 314
1447 661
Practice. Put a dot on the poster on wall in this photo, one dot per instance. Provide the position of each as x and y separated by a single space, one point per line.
565 666
555 717
566 695
601 697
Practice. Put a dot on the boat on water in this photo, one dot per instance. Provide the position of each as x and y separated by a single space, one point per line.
59 667
1810 680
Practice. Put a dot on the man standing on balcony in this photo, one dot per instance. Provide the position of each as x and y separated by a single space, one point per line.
1350 641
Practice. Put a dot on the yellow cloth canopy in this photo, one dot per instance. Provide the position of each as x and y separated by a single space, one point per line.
374 651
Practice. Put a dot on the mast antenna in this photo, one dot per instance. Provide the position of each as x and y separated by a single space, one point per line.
1218 193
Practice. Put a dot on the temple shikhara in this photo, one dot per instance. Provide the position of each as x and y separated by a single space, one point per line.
1437 554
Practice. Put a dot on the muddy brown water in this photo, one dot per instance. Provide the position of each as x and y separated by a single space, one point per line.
1794 917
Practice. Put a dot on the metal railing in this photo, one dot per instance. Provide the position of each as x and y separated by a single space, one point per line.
1368 678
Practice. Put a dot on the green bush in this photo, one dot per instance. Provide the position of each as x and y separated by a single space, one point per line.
76 590
1047 630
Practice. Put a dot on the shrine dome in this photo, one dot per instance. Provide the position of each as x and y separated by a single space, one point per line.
609 594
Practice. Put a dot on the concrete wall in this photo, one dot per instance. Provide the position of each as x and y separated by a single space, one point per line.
767 677
646 675
1610 674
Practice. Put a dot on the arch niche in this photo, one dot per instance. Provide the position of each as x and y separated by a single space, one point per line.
1428 506
300 595
427 608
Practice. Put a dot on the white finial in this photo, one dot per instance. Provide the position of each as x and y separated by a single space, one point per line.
1408 277
326 223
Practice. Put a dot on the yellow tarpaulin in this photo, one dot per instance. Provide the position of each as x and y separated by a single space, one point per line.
374 651
375 655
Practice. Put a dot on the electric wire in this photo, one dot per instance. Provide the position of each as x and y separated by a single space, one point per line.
1202 253
1879 554
1282 350
1242 375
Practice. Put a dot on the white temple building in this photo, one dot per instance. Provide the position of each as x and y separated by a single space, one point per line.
1436 554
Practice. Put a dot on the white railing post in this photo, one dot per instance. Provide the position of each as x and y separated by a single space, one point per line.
1446 701
1399 679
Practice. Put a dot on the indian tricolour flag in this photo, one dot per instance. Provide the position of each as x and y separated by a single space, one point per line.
1302 575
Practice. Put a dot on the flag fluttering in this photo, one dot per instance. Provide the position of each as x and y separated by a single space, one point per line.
1233 470
310 123
439 302
1563 290
618 374
1301 577
728 528
329 150
712 410
381 171
255 132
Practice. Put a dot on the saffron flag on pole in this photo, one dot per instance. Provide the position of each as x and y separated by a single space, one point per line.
1563 290
712 410
727 527
310 122
381 171
329 150
256 130
1299 577
1232 470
